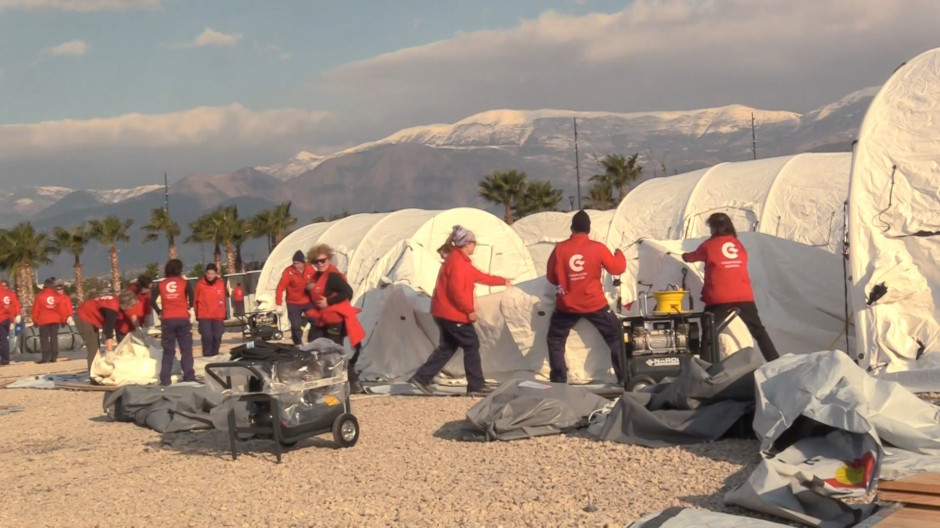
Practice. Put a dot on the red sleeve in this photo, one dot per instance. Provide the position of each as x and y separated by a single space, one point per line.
550 272
65 308
281 287
460 293
614 263
696 256
196 295
485 278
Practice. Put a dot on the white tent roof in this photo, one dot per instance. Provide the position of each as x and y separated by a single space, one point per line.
541 231
794 197
894 221
300 239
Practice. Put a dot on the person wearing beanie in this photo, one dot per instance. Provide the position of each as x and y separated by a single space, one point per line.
575 267
294 282
452 306
210 304
47 315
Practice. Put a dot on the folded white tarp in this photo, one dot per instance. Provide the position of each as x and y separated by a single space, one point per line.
136 360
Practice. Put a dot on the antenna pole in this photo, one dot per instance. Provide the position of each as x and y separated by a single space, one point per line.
753 136
577 161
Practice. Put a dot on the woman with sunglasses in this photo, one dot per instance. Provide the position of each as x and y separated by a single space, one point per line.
332 315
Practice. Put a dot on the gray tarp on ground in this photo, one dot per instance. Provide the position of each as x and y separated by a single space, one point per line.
163 409
692 518
700 405
524 409
856 410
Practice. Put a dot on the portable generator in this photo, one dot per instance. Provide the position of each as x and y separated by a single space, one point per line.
656 345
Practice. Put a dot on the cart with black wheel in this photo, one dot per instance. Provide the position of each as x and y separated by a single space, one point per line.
264 325
285 393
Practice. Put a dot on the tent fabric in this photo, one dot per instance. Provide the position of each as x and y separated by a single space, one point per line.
852 412
524 409
702 404
894 223
173 409
799 198
541 231
693 518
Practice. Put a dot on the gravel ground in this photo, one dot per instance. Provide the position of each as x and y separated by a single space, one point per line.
66 464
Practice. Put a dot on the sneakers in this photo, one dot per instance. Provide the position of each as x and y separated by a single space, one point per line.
423 387
481 392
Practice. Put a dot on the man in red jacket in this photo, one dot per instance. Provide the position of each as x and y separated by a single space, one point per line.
9 311
49 311
142 288
101 313
727 284
574 267
176 296
238 299
209 302
294 281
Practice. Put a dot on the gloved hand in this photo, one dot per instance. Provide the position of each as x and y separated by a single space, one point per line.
70 321
18 319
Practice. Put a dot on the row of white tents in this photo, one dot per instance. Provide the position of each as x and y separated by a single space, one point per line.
793 207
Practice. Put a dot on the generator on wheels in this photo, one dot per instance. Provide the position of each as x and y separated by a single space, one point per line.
657 344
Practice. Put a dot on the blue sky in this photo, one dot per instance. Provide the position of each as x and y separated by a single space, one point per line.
108 93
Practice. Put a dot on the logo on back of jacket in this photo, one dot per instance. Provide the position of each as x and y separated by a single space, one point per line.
6 300
50 301
576 267
731 252
171 287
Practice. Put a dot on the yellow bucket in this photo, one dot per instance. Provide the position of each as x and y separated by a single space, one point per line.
669 301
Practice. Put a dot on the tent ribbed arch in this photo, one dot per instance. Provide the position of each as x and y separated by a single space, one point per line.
345 235
282 254
685 218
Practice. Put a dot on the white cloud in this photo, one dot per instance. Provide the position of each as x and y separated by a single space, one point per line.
211 37
276 50
653 55
85 6
72 48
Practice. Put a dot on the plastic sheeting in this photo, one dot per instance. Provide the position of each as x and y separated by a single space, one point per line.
894 221
692 518
136 360
163 409
525 409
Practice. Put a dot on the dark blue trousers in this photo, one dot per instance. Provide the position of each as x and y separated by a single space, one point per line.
5 342
177 331
210 330
560 326
295 314
454 336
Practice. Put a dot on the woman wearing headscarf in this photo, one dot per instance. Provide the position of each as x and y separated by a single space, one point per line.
727 284
452 306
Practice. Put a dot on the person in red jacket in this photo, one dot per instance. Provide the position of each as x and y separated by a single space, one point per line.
332 315
9 312
727 284
176 296
294 281
142 288
575 267
67 309
130 319
452 306
48 313
238 299
101 313
210 304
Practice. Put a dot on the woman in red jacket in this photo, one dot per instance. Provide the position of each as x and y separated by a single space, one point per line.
209 303
727 283
294 282
452 306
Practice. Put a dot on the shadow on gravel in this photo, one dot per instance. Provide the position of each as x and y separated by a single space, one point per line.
461 430
213 443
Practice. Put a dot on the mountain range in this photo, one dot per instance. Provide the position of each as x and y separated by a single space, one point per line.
439 166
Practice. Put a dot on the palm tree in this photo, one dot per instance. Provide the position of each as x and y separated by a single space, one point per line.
110 231
162 224
538 197
504 188
73 241
241 233
208 229
274 224
22 249
619 172
600 197
228 218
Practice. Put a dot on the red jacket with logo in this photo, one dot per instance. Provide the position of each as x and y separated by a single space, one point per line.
336 313
125 323
726 277
67 308
575 267
209 300
453 294
9 305
238 294
49 308
100 312
176 295
295 284
144 298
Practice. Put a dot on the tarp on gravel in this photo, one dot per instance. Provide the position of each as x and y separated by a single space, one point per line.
702 404
524 409
163 409
688 517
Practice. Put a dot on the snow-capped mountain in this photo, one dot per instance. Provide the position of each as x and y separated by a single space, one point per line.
299 164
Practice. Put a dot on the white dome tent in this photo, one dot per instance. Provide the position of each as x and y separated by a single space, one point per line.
894 226
541 231
799 198
300 239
